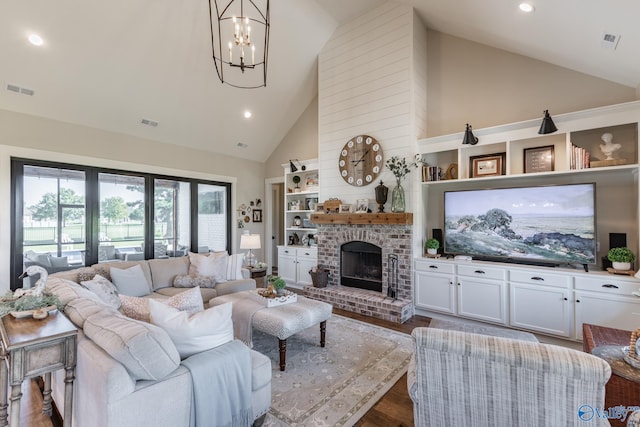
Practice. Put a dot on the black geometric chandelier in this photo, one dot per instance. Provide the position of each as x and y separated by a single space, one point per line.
240 41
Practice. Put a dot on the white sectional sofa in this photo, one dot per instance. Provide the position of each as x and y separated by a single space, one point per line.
128 371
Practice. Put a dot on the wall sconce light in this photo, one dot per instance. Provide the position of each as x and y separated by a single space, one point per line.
547 125
469 137
294 168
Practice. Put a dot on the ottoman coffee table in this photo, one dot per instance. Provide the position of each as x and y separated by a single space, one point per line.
284 320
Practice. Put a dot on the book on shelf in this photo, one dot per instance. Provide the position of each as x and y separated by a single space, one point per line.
431 173
580 158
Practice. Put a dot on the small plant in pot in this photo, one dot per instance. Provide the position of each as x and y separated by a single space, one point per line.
432 245
296 181
278 284
621 258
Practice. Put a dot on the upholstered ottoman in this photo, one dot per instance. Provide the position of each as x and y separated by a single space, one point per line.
285 320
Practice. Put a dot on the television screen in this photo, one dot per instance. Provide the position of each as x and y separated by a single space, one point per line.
551 224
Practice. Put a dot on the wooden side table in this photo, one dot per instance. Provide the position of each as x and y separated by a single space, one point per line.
258 274
620 391
30 348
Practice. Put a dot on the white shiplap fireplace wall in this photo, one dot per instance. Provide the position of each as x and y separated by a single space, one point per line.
372 80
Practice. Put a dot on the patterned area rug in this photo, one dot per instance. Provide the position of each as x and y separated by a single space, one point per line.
338 384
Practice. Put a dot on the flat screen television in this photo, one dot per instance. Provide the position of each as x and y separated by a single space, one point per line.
538 225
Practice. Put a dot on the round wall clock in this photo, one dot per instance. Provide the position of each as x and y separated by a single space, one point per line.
360 160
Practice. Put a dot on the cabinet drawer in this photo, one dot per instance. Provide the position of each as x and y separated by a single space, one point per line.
606 284
284 250
539 278
482 272
307 253
426 264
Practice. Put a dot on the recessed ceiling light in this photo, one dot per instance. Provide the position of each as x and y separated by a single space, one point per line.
247 114
526 7
35 40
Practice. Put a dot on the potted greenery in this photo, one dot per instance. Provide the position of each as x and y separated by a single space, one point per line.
296 181
621 258
278 284
432 245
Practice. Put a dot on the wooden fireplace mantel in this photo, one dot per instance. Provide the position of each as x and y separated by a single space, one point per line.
363 218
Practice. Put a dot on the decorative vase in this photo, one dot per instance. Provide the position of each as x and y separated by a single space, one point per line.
381 196
397 198
621 265
280 292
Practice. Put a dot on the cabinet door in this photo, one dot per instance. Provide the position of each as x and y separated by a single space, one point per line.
541 308
603 309
483 300
435 292
304 265
287 268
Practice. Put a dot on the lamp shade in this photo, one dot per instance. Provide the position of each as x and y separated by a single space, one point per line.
250 241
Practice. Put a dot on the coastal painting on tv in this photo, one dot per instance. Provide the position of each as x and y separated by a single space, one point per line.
554 224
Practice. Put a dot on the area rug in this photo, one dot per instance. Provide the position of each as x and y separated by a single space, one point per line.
335 385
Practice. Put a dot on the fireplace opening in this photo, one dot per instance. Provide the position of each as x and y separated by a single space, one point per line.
361 266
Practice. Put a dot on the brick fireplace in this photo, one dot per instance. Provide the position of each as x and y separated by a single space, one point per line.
392 234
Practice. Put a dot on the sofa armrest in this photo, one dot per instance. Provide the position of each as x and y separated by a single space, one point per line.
246 274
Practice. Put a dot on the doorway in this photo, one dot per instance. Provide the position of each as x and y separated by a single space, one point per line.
274 230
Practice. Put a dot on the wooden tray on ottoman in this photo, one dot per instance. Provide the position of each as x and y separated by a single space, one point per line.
287 298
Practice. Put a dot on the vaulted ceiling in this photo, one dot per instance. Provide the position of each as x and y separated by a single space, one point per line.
108 65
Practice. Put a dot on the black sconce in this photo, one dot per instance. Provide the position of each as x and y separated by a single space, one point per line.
294 168
469 137
547 125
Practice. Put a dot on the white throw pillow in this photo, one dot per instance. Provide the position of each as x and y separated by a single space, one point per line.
213 265
130 281
194 334
234 267
104 289
137 308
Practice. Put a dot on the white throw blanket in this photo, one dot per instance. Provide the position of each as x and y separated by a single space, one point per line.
221 380
242 316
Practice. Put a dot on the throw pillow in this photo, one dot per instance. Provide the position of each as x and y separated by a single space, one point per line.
193 280
105 290
145 350
193 334
61 261
189 301
43 259
234 267
130 281
209 265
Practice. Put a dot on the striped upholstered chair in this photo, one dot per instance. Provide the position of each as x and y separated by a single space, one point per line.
465 379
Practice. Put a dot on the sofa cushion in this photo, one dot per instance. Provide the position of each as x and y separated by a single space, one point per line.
79 309
163 271
145 350
88 273
131 281
104 289
193 280
207 293
193 334
138 308
66 290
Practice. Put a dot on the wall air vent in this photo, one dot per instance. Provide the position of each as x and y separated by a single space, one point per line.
609 40
150 122
18 89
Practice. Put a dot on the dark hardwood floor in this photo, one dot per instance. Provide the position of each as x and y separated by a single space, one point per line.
394 409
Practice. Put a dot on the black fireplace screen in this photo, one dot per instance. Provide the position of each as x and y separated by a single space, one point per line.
361 266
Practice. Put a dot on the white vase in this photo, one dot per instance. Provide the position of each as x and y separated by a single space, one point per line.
621 265
432 251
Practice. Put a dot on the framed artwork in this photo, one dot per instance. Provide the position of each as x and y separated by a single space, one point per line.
539 159
362 206
319 207
345 208
311 179
257 215
487 165
310 203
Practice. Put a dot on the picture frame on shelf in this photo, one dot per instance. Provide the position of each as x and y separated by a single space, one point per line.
539 159
362 206
346 208
487 165
311 180
310 203
257 215
319 208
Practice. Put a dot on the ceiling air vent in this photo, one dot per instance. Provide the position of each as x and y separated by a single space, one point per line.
609 40
150 122
18 89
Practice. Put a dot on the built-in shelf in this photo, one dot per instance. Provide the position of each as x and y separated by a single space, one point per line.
363 218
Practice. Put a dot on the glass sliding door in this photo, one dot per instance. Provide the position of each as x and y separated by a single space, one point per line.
213 217
53 218
172 223
122 217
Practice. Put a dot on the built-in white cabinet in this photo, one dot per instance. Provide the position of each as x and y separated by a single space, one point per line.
294 265
553 301
435 288
482 293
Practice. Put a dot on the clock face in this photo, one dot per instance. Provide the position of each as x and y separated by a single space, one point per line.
360 160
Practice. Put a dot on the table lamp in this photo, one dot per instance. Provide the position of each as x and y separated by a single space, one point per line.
250 241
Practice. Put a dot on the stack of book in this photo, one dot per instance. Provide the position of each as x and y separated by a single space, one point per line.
580 158
431 173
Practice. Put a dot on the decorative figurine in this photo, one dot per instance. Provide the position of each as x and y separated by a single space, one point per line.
608 148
